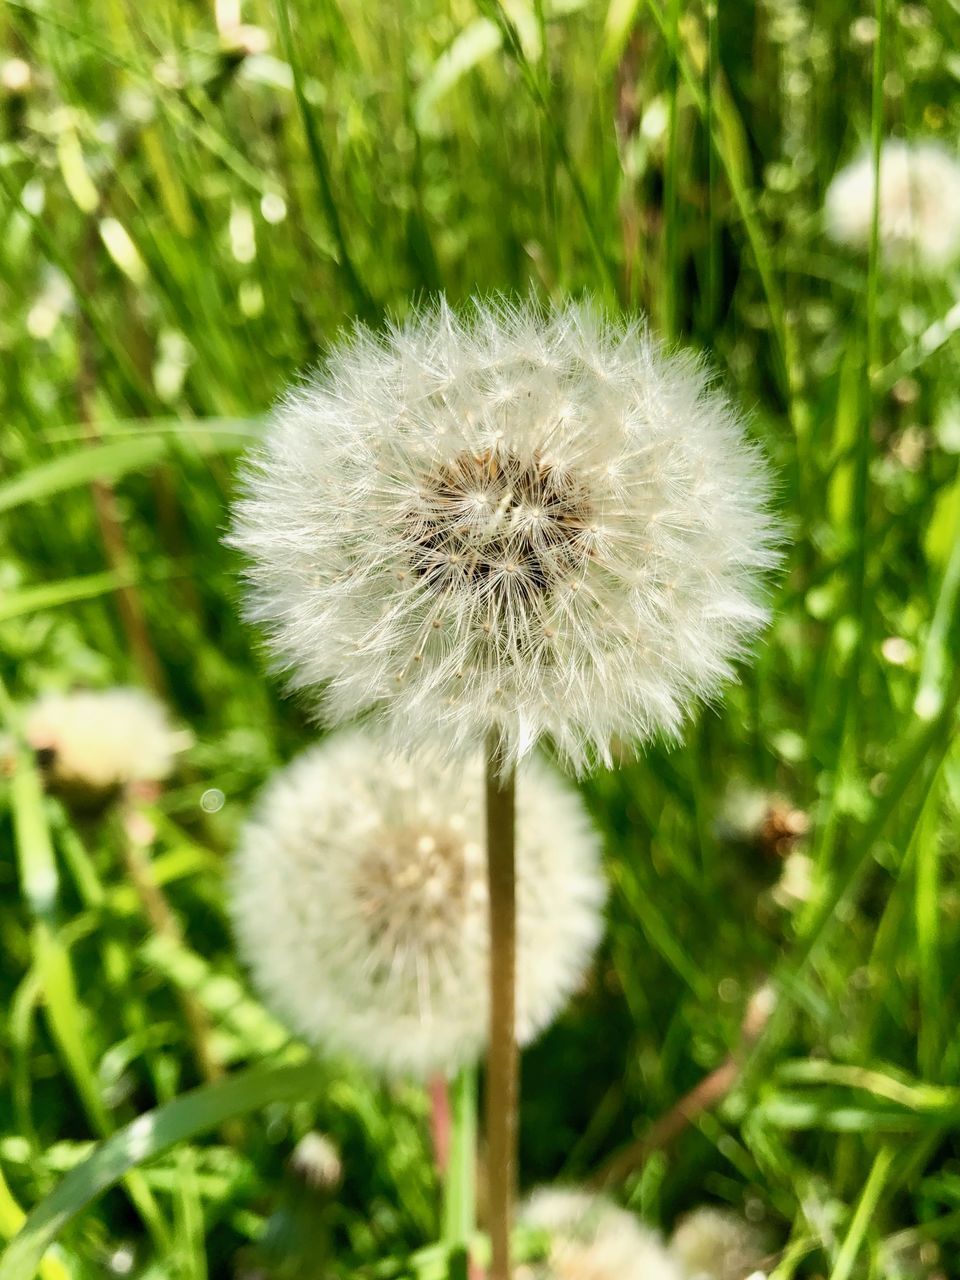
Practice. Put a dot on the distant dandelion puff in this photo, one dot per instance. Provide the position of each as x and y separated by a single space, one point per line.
797 883
717 1244
765 819
359 899
531 520
591 1238
16 76
919 204
99 740
317 1161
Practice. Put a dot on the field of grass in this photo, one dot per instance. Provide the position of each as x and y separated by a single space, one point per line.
191 209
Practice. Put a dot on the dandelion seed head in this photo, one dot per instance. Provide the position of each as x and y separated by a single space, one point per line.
359 899
536 519
591 1238
919 204
717 1244
103 739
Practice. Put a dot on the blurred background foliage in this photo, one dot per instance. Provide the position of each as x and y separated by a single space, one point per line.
196 197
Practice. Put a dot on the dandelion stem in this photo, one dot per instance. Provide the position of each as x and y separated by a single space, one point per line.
502 1073
439 1093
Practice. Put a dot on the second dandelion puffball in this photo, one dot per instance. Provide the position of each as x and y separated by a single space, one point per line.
536 520
359 898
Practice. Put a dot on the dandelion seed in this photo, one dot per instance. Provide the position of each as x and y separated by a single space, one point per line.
100 740
717 1244
359 899
591 1238
532 520
919 204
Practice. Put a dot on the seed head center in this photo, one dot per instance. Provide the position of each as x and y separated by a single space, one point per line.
410 887
509 527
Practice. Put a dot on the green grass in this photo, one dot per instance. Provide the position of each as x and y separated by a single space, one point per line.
181 230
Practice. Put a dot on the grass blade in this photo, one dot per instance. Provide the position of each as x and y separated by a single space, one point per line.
150 1134
52 595
364 303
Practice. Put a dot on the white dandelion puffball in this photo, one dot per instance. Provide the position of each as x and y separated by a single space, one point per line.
359 900
515 517
717 1244
591 1238
919 203
101 739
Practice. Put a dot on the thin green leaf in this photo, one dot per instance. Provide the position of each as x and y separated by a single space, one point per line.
864 1215
53 595
92 462
107 461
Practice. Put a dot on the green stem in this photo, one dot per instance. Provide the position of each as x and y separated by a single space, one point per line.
461 1187
861 494
934 667
864 1215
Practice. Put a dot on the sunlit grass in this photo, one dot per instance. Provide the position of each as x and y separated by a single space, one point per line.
187 218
